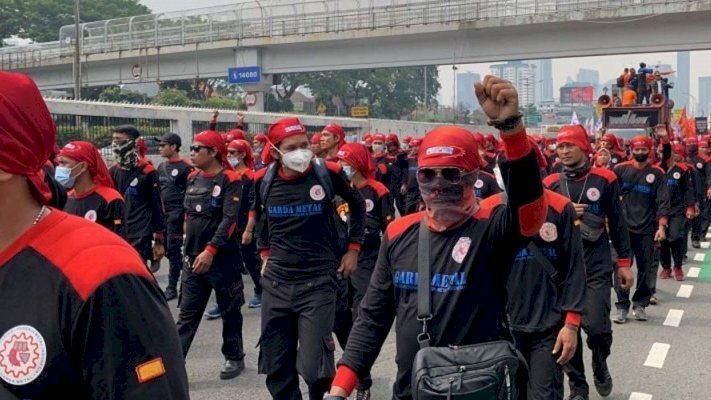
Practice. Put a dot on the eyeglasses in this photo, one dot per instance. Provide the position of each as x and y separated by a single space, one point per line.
197 149
450 174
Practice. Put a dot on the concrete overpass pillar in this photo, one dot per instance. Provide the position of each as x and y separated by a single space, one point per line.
184 128
256 92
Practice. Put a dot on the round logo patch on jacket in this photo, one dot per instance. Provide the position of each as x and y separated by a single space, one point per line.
548 232
593 194
650 178
461 248
90 215
23 354
316 192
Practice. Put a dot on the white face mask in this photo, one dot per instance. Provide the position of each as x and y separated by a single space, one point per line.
348 170
297 160
499 178
233 162
551 147
378 148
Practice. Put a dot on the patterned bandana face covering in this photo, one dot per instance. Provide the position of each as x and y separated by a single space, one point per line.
126 153
449 204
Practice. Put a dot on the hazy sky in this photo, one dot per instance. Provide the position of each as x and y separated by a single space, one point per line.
609 66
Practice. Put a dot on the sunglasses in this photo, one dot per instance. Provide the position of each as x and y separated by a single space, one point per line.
450 174
197 149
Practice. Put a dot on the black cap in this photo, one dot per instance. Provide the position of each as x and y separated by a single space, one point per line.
170 138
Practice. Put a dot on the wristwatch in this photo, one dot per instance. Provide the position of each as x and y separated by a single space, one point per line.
505 124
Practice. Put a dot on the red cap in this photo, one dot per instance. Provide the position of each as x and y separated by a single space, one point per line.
391 137
575 135
234 134
369 141
612 139
214 140
316 138
260 138
242 146
640 141
378 137
86 152
679 149
27 132
337 131
358 157
691 141
479 139
449 146
284 128
415 142
407 139
491 139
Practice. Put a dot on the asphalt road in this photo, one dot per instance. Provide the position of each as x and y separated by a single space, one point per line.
676 357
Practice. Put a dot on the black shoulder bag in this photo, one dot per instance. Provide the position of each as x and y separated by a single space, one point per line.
482 371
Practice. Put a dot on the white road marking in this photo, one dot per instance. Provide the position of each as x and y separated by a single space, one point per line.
708 236
693 272
657 355
640 396
685 291
673 318
699 256
705 245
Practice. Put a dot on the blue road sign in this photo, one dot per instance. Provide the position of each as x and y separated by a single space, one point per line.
244 75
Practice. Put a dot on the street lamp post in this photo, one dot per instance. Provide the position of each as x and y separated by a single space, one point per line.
77 52
454 92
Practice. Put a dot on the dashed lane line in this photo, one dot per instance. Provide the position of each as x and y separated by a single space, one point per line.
705 245
673 318
699 257
685 291
693 272
640 396
657 355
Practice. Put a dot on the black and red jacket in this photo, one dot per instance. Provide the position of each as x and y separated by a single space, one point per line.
392 170
173 176
469 268
378 212
537 300
296 228
140 188
212 203
598 189
680 183
83 315
645 196
102 205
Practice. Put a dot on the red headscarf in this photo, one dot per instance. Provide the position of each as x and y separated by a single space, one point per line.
337 131
234 134
415 142
449 146
260 138
641 141
358 157
391 137
575 135
316 139
242 146
141 147
214 140
27 132
86 152
280 130
679 149
378 137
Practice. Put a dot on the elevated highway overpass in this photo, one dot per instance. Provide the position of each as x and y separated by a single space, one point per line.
351 34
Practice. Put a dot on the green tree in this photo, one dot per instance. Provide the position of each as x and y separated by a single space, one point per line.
173 97
224 103
389 93
40 20
115 94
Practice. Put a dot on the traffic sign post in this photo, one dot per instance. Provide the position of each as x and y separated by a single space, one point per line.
240 75
250 99
359 112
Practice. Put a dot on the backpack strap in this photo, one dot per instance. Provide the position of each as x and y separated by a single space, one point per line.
266 182
324 177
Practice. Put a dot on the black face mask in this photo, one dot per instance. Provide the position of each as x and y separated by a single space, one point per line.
641 157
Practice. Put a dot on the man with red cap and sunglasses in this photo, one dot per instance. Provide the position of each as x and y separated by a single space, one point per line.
92 196
595 195
645 203
302 254
333 137
139 184
64 301
469 246
212 201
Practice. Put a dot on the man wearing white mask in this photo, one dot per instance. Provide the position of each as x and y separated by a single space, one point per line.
298 238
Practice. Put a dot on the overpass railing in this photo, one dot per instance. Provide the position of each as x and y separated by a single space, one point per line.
260 20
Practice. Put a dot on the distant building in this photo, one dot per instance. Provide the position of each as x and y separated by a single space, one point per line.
704 96
465 89
680 93
590 76
546 75
522 75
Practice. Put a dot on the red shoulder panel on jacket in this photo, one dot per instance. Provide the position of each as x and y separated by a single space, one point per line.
79 249
379 188
400 225
146 167
232 176
556 201
249 174
624 164
108 194
333 167
488 205
551 179
609 176
684 167
260 174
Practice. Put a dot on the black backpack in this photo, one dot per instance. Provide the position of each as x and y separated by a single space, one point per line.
324 179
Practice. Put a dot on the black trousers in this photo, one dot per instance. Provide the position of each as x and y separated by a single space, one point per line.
252 264
174 246
297 320
144 247
643 248
225 278
673 250
545 377
595 319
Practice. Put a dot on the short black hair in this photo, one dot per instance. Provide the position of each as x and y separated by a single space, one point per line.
627 70
129 130
642 65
